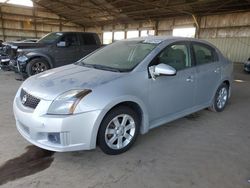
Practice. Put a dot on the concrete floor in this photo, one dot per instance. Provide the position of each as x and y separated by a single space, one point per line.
204 150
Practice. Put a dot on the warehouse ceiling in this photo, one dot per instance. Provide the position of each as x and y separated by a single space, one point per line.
101 12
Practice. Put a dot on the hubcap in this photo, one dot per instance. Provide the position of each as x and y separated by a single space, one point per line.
120 131
39 67
222 98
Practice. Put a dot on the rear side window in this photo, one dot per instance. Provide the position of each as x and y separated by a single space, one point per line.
204 54
88 39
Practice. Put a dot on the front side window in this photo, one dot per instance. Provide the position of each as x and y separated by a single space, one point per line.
121 55
50 38
175 55
203 54
71 39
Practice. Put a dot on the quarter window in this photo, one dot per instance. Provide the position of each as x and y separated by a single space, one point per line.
176 56
203 54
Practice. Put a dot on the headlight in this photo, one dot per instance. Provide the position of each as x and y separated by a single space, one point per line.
22 58
67 102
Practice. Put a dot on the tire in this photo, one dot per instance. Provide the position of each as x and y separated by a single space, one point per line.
118 130
36 66
220 99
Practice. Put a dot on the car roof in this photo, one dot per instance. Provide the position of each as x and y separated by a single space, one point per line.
160 39
68 32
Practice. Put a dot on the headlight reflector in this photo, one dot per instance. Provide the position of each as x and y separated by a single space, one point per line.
67 102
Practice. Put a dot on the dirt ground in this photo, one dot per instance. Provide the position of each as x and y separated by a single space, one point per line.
205 150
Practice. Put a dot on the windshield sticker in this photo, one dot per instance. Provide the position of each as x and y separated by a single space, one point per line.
153 41
60 34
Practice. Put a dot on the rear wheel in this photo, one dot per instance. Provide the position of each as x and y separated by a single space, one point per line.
221 98
36 66
118 130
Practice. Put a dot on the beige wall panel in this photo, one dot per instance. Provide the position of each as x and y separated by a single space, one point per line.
149 24
17 10
47 28
208 33
133 26
165 24
119 27
12 24
107 28
184 21
17 17
65 28
233 32
46 15
20 33
236 48
94 29
165 33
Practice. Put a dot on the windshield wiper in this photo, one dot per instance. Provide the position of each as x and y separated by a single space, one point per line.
102 67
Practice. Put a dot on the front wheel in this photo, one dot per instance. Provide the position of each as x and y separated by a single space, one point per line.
118 130
221 98
36 66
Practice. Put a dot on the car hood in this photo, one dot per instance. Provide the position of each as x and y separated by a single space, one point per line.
24 45
52 83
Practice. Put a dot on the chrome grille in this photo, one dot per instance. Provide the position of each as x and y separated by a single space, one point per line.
28 100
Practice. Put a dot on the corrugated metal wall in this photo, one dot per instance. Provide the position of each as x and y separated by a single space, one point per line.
229 32
18 22
237 49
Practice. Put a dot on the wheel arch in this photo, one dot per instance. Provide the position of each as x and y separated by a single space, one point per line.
33 55
133 103
228 83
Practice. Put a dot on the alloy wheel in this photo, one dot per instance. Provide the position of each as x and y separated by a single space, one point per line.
222 98
39 67
120 131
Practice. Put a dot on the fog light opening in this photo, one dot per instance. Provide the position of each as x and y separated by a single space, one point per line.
54 138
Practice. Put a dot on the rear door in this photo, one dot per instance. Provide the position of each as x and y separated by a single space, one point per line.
208 72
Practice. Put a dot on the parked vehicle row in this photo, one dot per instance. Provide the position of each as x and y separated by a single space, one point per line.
119 91
53 50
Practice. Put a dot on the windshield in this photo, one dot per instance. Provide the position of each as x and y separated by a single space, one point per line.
121 55
50 38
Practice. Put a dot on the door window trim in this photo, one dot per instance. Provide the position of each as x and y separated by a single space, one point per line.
188 45
214 53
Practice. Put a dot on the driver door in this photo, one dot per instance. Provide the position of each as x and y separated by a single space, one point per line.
172 95
67 54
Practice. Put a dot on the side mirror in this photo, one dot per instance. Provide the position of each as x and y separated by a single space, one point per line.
161 69
62 44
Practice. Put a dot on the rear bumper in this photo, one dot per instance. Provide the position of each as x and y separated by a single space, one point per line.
56 132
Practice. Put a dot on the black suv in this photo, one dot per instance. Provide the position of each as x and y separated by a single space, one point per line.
53 50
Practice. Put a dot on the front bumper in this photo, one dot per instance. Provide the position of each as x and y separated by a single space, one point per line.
56 132
4 63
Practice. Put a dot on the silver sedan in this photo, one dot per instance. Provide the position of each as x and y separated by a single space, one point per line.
126 88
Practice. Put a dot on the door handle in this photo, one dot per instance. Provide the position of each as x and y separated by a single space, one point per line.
217 70
190 79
